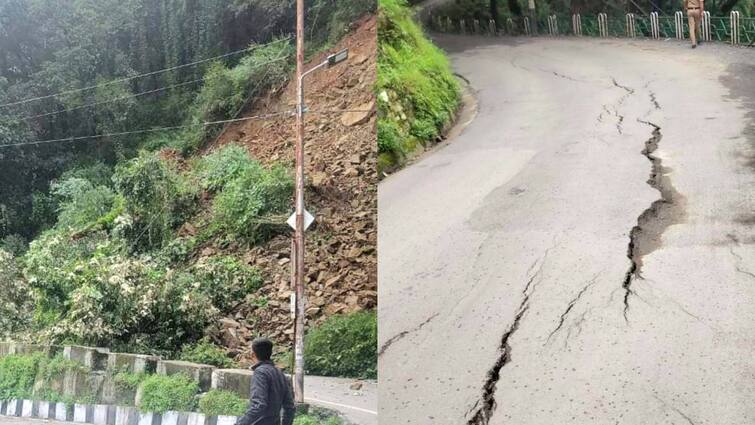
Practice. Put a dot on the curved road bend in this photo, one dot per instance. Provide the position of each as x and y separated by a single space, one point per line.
509 290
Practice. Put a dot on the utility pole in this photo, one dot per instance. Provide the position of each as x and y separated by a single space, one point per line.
298 254
301 219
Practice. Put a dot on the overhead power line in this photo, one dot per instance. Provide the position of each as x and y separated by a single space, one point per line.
157 90
146 74
150 130
116 99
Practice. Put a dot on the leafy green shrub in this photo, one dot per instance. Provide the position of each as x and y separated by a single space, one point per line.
96 173
157 198
227 89
246 206
163 393
80 202
219 168
17 374
15 301
317 420
226 280
417 92
344 345
205 352
129 381
14 244
219 402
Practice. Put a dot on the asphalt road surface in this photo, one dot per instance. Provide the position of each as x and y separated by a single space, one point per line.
5 420
583 253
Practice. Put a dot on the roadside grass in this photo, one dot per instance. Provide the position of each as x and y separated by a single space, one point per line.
417 93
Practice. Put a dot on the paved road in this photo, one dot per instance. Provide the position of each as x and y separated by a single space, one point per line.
359 406
507 292
5 420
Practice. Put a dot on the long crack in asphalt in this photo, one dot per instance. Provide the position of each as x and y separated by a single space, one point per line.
486 405
645 237
571 305
402 334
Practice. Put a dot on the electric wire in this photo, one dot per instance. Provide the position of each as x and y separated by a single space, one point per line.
146 74
149 130
157 90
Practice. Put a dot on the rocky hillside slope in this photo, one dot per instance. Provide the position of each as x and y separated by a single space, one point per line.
341 152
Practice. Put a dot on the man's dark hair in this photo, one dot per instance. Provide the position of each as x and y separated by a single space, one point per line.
263 348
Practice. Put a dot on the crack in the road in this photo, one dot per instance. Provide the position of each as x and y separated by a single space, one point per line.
614 108
625 88
483 413
571 305
738 266
645 237
675 409
654 101
401 335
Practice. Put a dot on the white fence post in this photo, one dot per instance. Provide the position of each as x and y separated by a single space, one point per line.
476 26
576 23
492 27
679 24
462 26
706 27
527 29
553 25
509 26
603 24
734 22
655 30
630 25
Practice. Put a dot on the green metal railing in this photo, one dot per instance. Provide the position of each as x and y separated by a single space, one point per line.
733 29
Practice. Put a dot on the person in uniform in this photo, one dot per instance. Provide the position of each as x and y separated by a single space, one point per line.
694 10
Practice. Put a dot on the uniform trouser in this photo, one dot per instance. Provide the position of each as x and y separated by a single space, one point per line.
695 24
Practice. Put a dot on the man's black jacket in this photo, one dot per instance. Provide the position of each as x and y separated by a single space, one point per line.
271 393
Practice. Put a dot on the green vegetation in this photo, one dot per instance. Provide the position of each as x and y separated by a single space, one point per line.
133 240
118 275
219 402
19 373
17 376
344 346
205 352
163 393
417 93
317 416
129 381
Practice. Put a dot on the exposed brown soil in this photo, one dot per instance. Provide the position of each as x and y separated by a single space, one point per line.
341 151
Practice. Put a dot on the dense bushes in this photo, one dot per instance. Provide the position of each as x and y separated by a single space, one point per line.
19 373
417 93
157 199
205 352
253 206
251 200
14 296
219 402
112 271
163 393
344 346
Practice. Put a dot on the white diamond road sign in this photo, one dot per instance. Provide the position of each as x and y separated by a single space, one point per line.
308 220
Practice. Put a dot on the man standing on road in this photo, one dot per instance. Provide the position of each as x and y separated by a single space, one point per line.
271 390
694 16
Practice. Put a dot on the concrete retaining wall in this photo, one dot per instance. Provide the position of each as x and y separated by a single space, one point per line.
104 365
100 414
